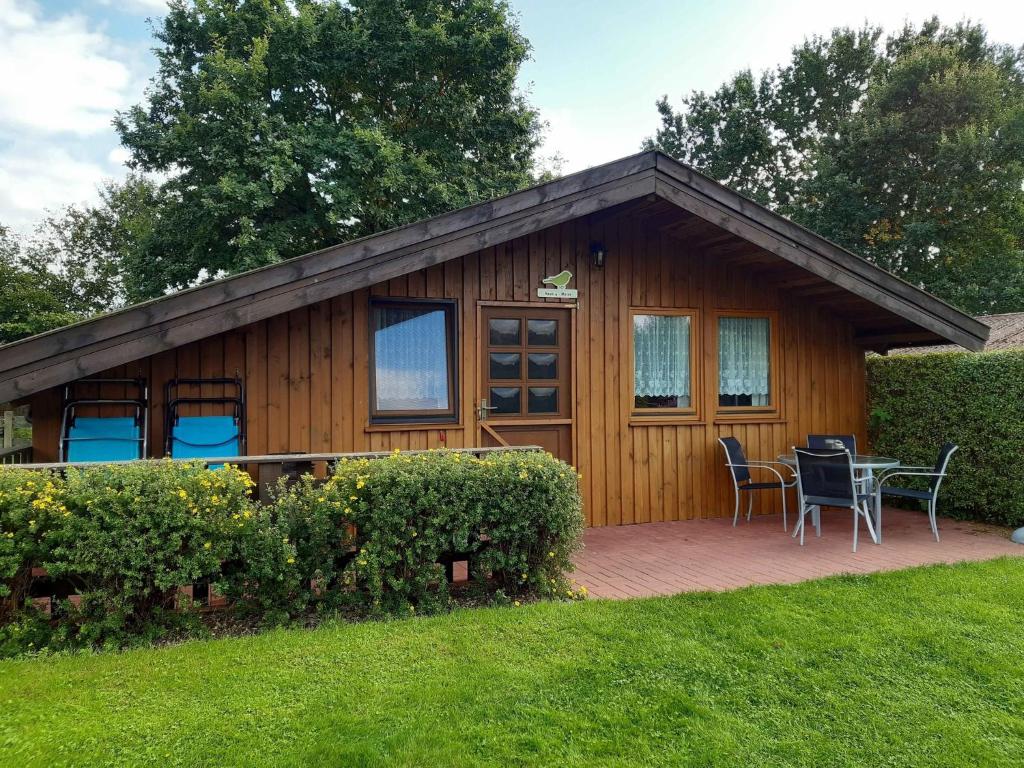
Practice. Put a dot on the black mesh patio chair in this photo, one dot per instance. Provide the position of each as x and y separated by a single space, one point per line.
929 495
826 442
743 482
826 479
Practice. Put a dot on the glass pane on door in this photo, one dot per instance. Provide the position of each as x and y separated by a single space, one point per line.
542 333
505 400
543 365
504 332
506 365
543 400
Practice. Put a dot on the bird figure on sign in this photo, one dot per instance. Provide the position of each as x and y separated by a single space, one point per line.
560 280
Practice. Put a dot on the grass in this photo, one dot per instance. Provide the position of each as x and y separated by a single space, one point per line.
919 667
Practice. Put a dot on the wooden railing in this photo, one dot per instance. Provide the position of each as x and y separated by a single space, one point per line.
20 456
278 458
266 470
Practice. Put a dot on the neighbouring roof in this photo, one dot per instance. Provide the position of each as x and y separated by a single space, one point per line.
1007 332
885 310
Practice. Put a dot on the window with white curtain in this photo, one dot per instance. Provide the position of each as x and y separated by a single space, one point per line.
661 361
744 361
413 372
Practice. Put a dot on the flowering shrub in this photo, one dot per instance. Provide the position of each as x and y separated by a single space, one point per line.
30 505
125 538
133 534
517 516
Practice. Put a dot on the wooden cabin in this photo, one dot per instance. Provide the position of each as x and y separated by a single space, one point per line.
623 318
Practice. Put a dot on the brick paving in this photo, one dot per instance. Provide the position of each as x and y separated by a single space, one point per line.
666 558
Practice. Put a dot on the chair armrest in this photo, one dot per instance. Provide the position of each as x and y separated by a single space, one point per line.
909 472
755 465
767 464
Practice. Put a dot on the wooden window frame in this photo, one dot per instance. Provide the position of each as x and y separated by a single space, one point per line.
772 411
412 417
692 412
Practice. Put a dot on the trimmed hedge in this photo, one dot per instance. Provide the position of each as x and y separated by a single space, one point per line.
916 402
369 540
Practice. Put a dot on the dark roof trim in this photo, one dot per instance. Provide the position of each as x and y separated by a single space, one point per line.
753 222
85 348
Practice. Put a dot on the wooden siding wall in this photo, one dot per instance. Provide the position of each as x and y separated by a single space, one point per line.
306 371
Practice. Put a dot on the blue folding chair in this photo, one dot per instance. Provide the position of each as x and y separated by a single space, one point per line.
104 438
203 437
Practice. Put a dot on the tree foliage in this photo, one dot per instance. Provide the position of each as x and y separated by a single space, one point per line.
908 151
283 127
71 266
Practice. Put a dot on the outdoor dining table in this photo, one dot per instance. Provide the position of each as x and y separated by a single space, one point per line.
864 466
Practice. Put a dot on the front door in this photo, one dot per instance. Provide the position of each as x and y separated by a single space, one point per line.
525 395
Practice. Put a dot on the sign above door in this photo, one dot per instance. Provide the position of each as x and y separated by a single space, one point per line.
559 291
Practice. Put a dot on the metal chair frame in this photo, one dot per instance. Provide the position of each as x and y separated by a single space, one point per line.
858 502
748 486
937 473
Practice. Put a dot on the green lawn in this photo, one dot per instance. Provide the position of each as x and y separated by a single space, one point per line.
920 667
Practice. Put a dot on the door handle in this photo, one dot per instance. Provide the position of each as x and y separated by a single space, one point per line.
481 413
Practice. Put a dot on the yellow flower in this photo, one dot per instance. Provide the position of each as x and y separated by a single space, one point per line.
353 498
207 545
291 560
321 499
524 475
182 493
516 603
360 483
551 554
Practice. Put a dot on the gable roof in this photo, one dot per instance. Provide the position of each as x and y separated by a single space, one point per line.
85 348
1007 332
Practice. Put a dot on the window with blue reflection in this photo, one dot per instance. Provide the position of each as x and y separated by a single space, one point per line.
412 355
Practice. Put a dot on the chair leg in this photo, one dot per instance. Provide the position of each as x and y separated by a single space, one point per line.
784 527
816 516
932 520
736 511
750 506
875 535
856 525
803 512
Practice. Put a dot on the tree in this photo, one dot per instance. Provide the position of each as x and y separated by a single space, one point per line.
70 266
28 304
759 135
283 127
909 153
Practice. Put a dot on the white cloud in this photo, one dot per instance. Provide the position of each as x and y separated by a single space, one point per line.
589 137
118 156
60 75
142 6
63 79
36 176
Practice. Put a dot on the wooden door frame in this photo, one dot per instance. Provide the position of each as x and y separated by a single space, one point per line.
479 427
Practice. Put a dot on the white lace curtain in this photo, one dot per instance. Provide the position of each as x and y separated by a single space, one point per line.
411 357
661 349
744 357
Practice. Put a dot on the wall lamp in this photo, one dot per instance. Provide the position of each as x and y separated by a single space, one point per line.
598 254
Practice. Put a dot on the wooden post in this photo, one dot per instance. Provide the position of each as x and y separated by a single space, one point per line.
8 429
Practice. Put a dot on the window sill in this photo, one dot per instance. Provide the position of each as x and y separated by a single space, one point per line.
750 417
414 426
666 421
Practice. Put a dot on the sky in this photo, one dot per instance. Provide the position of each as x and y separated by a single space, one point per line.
597 67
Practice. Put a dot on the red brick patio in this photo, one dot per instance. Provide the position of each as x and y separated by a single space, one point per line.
666 558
